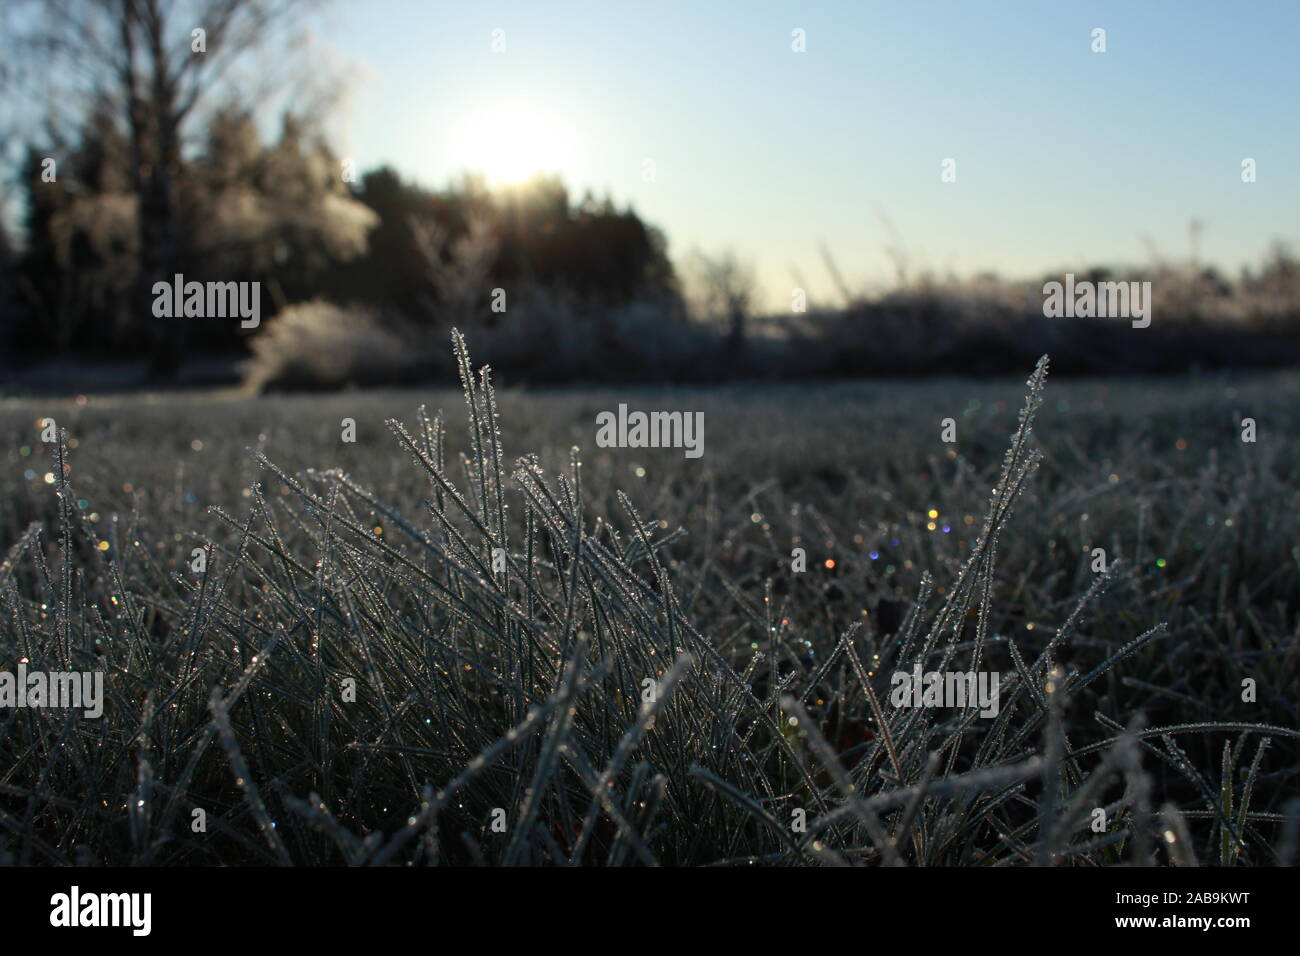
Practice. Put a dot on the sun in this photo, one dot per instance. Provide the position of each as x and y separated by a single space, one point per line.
510 145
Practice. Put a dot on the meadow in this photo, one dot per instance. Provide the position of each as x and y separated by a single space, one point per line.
458 640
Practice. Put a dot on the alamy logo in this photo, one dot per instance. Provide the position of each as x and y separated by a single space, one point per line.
651 430
1086 299
209 300
946 689
75 908
81 690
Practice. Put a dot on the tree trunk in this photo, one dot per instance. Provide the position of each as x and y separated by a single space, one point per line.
736 334
160 260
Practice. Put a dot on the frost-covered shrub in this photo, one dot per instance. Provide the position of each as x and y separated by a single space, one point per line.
319 345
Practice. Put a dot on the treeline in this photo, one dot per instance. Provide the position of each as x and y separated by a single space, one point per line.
439 254
134 144
132 136
283 214
362 276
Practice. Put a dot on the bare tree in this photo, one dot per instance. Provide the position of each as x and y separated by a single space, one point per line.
457 269
725 292
153 61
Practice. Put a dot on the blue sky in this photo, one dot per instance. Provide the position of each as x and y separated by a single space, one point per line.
1065 157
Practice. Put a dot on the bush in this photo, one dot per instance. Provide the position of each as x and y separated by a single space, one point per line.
318 345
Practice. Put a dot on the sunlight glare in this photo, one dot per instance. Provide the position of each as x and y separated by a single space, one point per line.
509 146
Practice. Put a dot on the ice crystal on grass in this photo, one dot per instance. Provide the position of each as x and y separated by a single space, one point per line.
496 669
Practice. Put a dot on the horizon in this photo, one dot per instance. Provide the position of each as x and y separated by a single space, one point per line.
767 158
